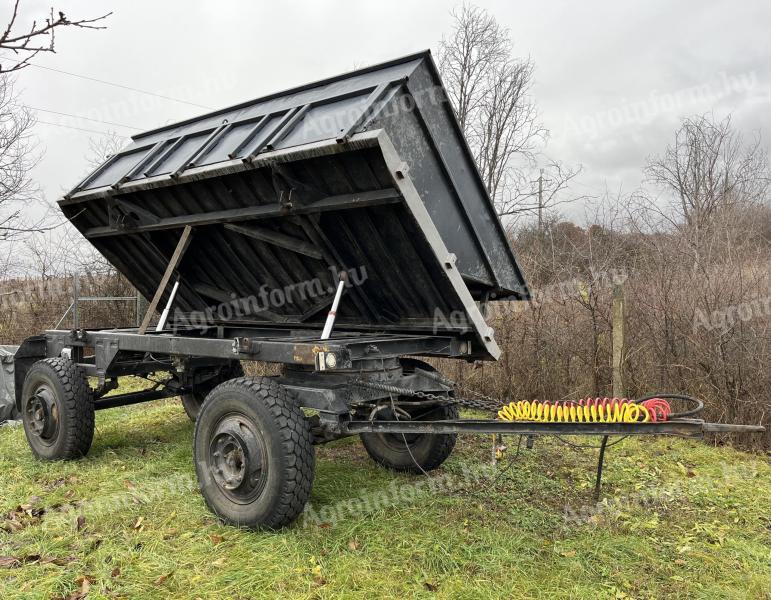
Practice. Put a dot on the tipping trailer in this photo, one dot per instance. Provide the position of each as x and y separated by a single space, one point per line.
334 228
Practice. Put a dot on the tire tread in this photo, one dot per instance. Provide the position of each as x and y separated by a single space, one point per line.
79 415
297 442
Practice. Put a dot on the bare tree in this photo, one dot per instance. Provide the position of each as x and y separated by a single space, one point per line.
17 155
103 147
476 47
27 41
62 250
709 168
16 159
490 91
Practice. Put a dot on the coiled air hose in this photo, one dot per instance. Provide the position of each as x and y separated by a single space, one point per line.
650 409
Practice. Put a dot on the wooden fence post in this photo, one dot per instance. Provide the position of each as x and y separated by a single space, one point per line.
619 390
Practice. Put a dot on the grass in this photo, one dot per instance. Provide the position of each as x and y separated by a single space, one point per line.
679 519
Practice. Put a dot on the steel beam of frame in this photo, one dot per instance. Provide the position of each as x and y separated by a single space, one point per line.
251 134
179 251
132 398
680 427
254 150
289 350
287 126
374 96
208 143
265 211
133 171
277 239
164 155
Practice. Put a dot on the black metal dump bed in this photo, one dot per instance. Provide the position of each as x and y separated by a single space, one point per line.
367 171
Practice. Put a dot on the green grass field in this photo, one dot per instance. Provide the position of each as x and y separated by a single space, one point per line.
679 519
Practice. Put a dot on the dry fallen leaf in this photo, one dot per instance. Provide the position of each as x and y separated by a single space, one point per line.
9 562
115 572
80 523
354 544
59 562
163 578
216 539
218 563
138 524
431 587
84 582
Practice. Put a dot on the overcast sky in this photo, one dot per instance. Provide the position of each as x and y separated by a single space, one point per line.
612 78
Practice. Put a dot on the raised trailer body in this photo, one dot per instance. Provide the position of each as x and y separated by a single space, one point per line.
352 203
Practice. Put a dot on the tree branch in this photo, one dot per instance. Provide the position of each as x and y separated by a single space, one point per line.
40 36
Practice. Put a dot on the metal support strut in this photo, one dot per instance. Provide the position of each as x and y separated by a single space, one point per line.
179 251
600 464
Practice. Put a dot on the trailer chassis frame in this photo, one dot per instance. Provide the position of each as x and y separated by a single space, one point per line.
326 385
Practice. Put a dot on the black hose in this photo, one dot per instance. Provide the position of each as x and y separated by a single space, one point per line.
698 405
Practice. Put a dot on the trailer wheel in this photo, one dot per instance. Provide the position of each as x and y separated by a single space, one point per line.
57 410
193 401
253 454
412 453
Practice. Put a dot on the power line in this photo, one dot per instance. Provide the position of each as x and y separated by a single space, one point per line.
64 114
72 127
117 85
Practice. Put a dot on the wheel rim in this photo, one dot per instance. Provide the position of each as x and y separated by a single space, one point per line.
396 441
42 414
237 458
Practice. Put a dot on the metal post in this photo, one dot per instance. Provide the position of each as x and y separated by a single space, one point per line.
600 464
141 307
618 341
75 298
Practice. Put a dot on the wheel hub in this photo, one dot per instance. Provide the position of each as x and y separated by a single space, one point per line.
43 414
237 458
385 412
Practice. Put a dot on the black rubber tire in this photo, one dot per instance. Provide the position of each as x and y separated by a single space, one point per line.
193 402
413 453
288 443
74 403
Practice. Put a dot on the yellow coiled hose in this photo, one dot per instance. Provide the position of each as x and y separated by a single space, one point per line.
589 410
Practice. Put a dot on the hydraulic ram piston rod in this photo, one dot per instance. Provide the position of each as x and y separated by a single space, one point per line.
333 311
